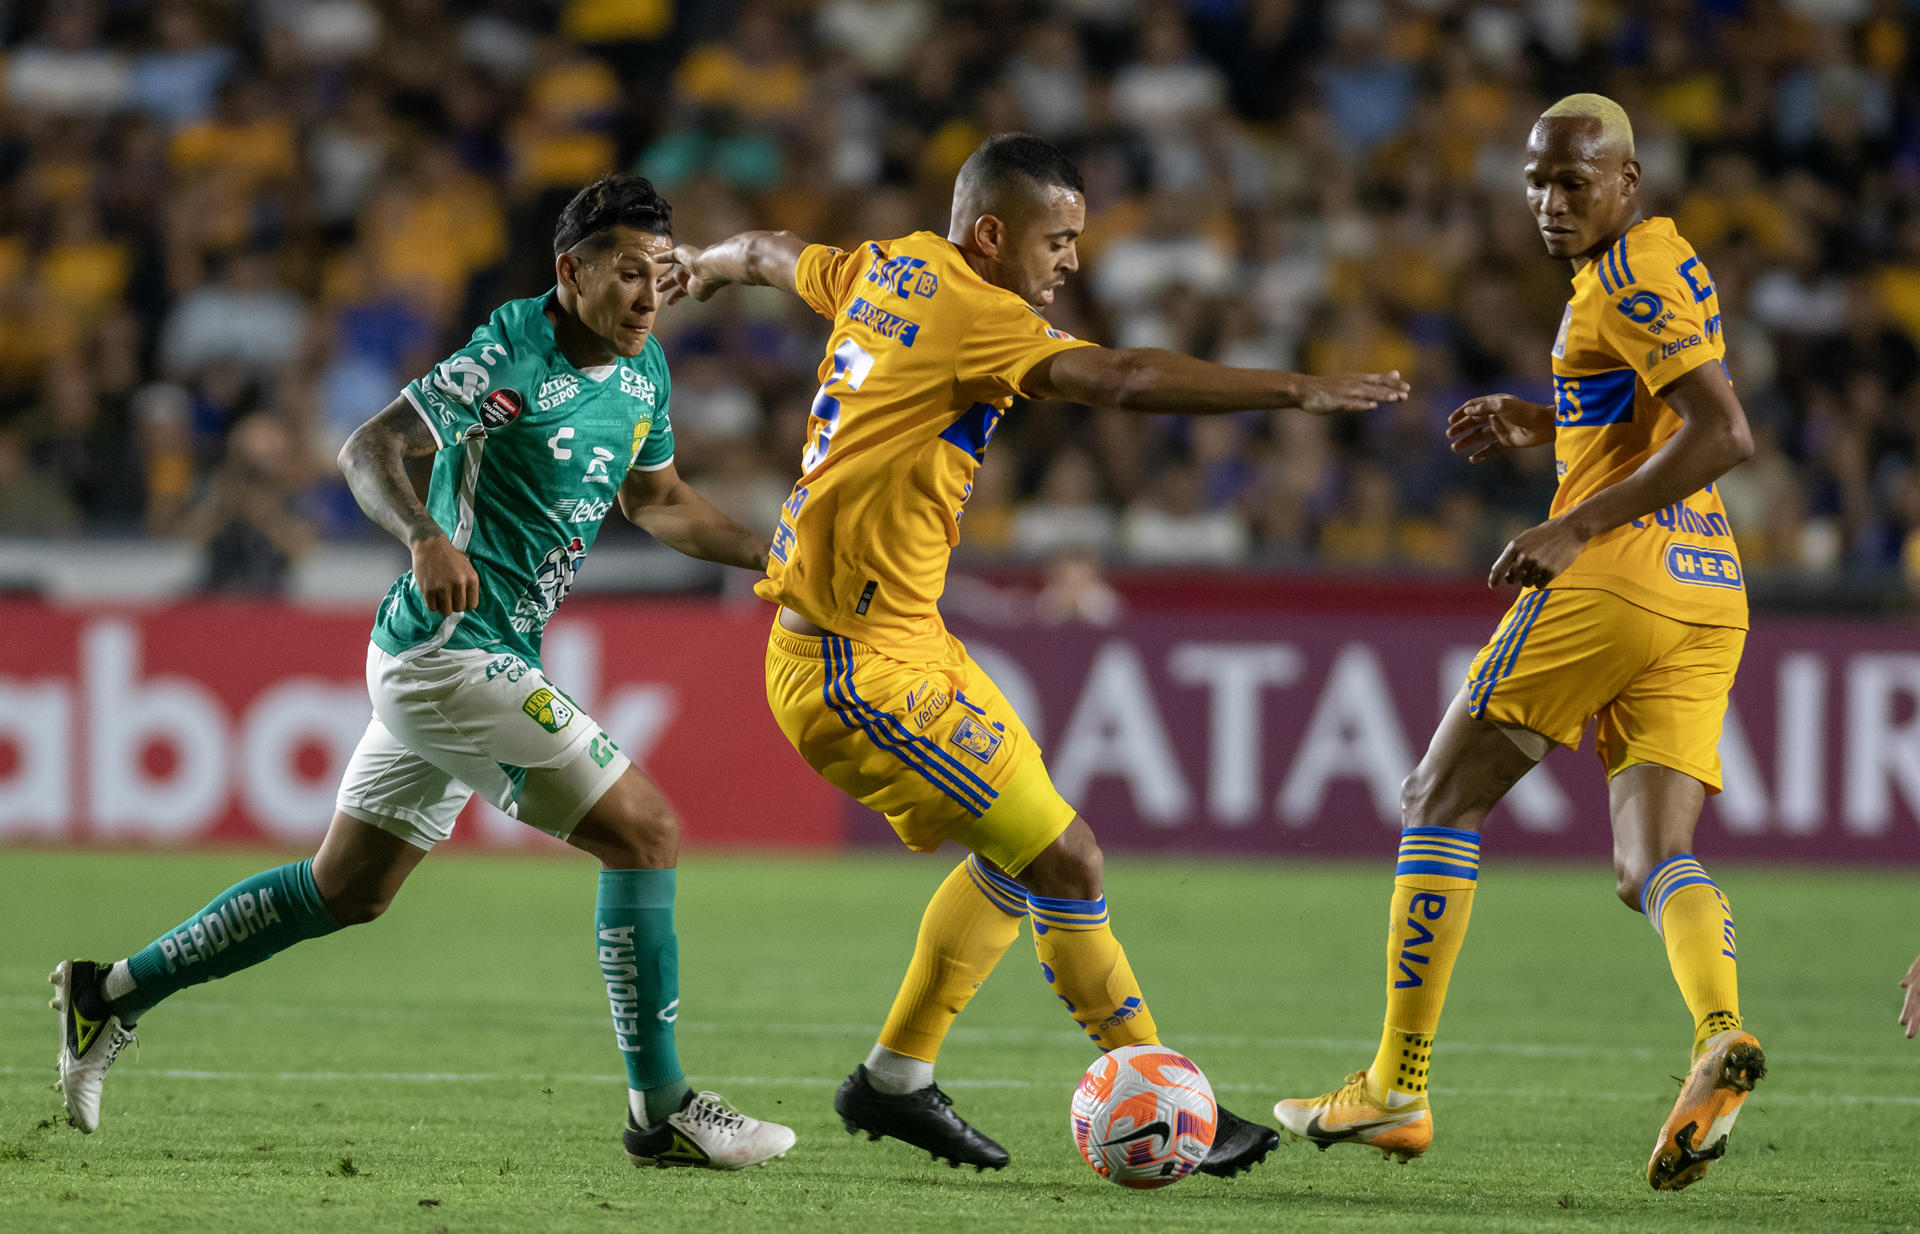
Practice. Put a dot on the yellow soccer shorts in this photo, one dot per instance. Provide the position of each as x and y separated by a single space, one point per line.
1655 687
931 745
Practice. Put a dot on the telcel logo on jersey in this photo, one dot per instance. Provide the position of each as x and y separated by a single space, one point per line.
1703 567
1671 348
579 509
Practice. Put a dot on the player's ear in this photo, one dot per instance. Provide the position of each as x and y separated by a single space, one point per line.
989 234
1630 178
566 272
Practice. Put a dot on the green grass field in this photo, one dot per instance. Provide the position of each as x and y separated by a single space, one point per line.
450 1067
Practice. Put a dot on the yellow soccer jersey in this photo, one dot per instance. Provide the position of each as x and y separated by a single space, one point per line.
1642 316
924 359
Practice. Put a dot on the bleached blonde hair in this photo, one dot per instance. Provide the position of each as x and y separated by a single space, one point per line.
1614 125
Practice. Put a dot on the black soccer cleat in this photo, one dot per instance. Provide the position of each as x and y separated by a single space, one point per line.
1238 1145
923 1118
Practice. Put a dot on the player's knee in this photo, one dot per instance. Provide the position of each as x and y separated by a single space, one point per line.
644 838
356 906
1419 804
1627 881
1071 868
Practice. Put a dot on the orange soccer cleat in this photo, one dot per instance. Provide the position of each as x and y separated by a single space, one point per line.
1402 1126
1710 1099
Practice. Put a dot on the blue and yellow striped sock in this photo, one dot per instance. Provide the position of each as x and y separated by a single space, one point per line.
1691 915
1433 886
1085 965
969 924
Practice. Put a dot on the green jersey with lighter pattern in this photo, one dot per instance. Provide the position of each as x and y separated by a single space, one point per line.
532 452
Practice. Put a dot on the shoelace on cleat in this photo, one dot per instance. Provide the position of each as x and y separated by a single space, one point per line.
1355 1080
118 1042
711 1110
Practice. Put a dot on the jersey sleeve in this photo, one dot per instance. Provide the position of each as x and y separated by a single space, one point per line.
1659 314
471 392
1003 343
824 277
655 450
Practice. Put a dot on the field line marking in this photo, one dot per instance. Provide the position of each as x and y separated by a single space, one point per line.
1762 1098
1003 1035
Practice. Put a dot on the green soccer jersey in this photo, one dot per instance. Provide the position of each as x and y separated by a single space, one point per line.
532 452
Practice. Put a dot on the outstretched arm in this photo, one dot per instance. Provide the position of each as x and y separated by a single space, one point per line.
1151 380
374 460
666 507
1713 440
757 258
1482 427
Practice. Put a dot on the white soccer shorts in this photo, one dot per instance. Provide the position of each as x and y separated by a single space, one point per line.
448 724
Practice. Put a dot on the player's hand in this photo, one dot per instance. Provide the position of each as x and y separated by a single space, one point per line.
1910 1010
1482 427
1535 556
687 276
446 579
1351 392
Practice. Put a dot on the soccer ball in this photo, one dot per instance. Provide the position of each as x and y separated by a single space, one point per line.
1144 1116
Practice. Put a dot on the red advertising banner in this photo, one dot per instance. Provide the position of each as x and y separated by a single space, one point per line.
1222 732
231 722
1205 731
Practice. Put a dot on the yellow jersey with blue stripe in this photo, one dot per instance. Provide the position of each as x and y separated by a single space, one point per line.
924 358
1642 316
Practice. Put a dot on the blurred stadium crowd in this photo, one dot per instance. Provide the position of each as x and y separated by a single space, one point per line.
230 230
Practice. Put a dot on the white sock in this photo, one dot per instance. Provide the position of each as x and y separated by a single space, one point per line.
118 982
891 1072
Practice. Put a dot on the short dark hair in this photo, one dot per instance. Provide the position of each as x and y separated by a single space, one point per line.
1014 162
612 201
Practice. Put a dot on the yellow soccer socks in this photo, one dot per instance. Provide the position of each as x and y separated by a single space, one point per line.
1432 902
968 926
1692 917
1084 963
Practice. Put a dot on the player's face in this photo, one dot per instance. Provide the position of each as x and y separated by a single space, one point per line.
1580 188
1039 250
614 287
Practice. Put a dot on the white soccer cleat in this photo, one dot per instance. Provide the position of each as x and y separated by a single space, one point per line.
707 1134
91 1037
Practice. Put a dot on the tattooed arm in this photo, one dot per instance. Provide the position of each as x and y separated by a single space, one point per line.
374 460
